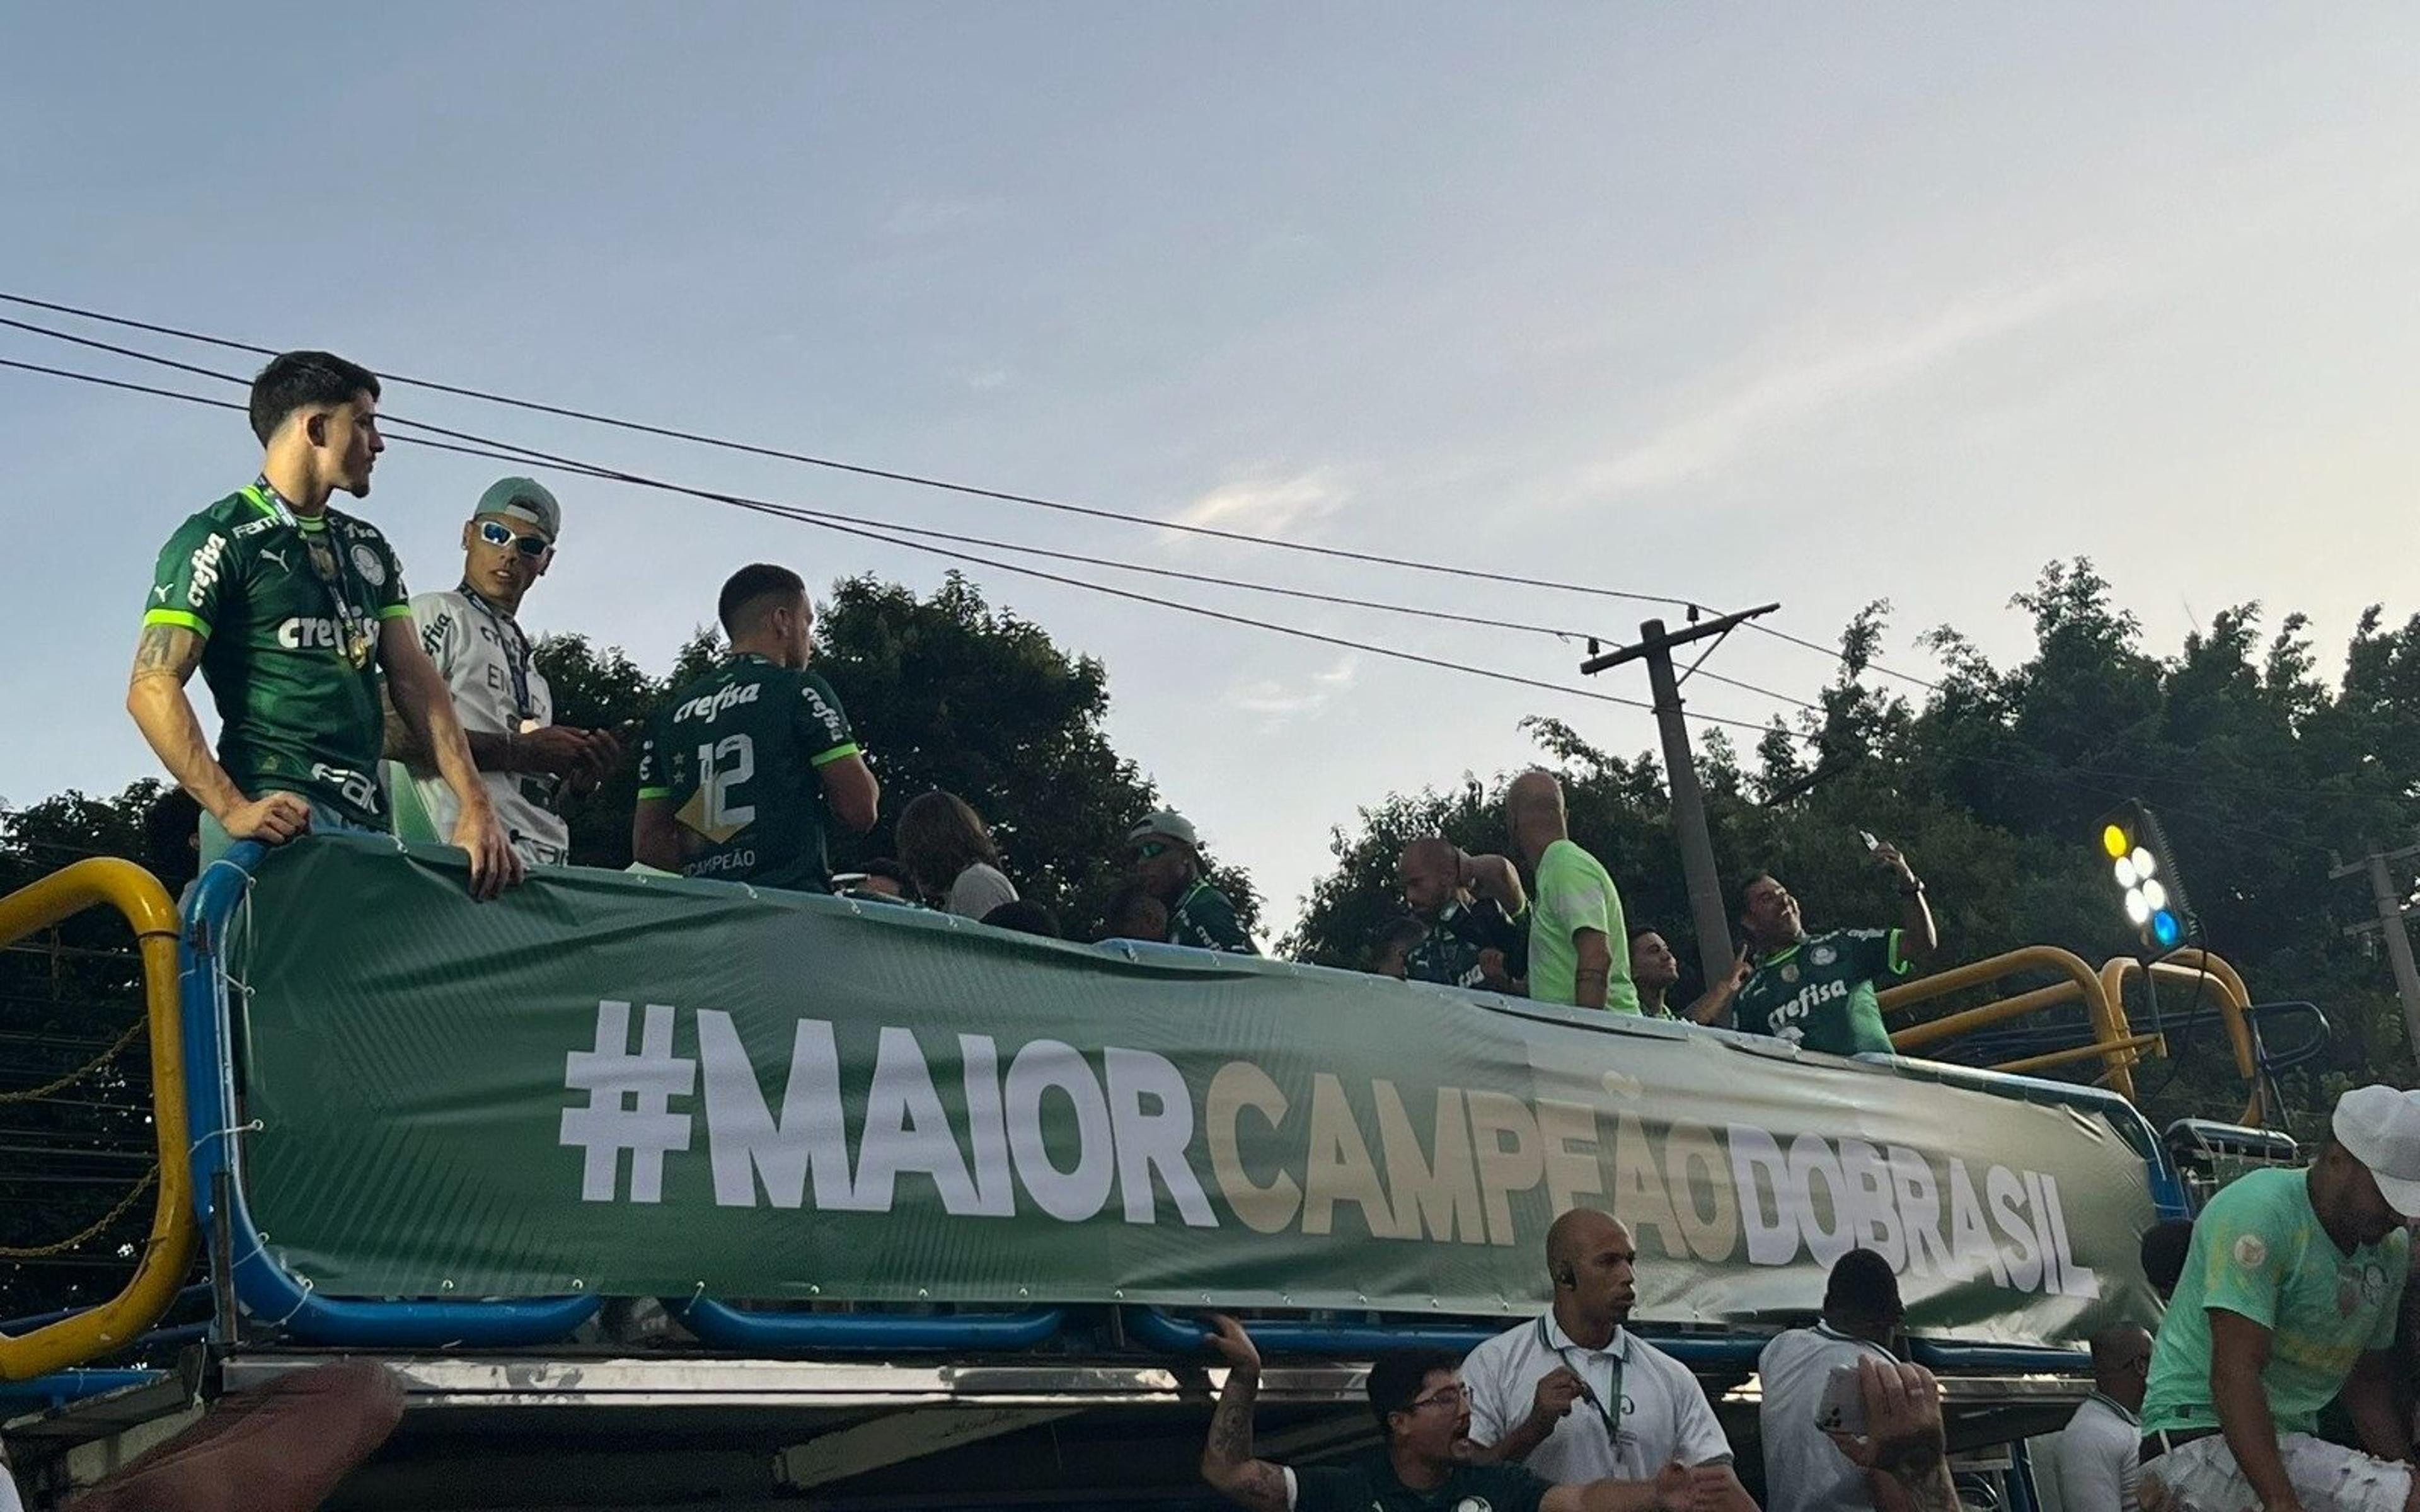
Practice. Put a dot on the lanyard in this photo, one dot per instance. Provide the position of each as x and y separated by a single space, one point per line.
516 648
329 565
1612 1414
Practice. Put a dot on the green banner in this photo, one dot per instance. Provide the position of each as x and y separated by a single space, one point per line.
648 1087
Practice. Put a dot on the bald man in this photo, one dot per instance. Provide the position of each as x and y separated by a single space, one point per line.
2100 1451
1579 948
1475 915
1575 1396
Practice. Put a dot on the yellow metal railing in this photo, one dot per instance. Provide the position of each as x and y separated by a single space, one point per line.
2114 1043
2114 1039
169 1252
2209 976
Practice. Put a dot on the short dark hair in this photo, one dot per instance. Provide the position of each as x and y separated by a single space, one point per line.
1739 894
2164 1246
298 381
1636 930
1862 1288
759 579
1026 917
1396 1378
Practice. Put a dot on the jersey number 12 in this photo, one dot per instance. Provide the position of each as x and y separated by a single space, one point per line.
723 767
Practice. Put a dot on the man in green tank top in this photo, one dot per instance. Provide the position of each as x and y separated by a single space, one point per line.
295 615
743 767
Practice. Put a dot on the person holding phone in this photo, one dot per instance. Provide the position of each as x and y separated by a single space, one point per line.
528 763
1817 991
1809 1377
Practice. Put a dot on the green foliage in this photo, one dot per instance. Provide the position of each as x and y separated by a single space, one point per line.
1992 784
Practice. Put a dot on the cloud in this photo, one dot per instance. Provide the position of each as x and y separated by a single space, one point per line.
931 217
1267 507
1732 420
985 379
1272 699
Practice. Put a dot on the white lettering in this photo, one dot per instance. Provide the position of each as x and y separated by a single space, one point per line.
1154 1141
1077 1192
1758 1166
906 1131
748 1146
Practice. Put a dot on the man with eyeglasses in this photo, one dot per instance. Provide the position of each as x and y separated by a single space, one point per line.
1577 1397
1164 859
295 616
528 763
2100 1451
1426 1462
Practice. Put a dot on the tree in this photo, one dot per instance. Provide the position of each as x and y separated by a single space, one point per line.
1992 784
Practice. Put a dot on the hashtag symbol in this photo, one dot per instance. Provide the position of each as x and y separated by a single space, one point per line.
626 1103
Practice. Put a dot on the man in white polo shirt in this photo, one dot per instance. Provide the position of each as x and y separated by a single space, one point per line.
1574 1395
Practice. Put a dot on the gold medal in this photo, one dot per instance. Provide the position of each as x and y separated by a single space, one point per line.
358 646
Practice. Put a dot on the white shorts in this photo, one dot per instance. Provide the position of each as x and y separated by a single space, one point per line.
2201 1476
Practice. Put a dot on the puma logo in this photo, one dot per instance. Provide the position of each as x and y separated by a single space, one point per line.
278 556
160 593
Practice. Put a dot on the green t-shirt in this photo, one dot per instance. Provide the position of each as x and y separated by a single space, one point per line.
1575 894
279 602
1820 992
1368 1485
737 755
1205 917
2258 1252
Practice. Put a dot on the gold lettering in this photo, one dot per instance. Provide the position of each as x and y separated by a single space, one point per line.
1340 1169
1241 1084
1434 1201
1504 1167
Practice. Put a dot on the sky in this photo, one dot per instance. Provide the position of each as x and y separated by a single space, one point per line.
1815 304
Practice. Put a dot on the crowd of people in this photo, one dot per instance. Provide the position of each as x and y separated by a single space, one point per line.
2284 1296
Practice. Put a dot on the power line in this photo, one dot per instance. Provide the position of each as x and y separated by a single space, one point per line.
513 452
1817 646
863 470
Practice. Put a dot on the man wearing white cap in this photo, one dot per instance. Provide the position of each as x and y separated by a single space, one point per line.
2289 1298
527 761
1164 858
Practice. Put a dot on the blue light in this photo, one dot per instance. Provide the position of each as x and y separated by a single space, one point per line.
2166 929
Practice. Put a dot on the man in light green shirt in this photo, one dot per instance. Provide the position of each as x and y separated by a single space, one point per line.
2289 1298
1579 944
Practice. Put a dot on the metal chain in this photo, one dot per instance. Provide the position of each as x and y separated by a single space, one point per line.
31 1094
44 1251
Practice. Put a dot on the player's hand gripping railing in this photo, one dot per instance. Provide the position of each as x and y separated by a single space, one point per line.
168 1254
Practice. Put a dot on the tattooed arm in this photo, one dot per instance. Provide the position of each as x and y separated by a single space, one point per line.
1904 1447
164 659
1227 1461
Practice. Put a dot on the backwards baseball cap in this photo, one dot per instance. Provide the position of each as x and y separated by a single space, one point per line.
523 498
1166 825
2379 1127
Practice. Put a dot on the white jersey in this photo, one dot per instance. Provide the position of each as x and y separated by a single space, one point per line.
1804 1471
498 691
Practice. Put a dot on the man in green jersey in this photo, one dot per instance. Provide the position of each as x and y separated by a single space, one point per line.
1425 1464
1476 916
1579 948
1164 858
739 771
1817 991
295 614
2289 1298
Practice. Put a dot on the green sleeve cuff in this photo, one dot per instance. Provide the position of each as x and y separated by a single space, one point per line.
176 616
655 793
1899 964
396 611
849 748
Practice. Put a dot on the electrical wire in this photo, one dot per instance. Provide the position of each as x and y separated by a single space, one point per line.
510 451
861 469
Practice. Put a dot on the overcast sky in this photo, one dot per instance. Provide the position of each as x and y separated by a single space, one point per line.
1810 303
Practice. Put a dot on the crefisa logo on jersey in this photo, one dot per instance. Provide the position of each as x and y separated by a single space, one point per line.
309 634
708 705
206 568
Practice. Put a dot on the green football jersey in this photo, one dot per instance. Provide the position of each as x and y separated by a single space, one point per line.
290 610
1820 992
737 755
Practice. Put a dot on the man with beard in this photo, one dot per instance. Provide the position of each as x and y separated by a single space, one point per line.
1477 917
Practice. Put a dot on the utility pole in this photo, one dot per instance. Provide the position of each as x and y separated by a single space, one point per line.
1706 912
2390 924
